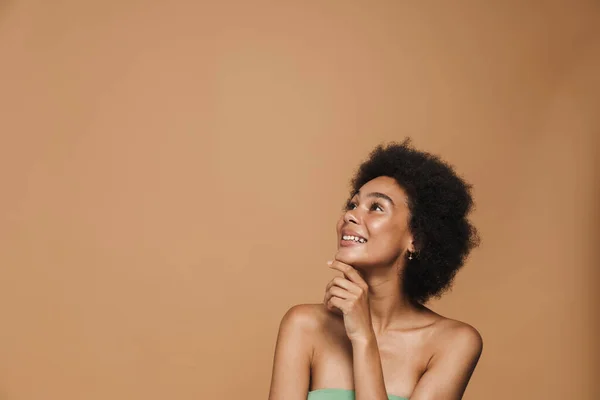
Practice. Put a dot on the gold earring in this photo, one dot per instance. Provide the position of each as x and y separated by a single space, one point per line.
410 255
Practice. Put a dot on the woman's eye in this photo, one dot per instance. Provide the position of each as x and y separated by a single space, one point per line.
350 206
376 207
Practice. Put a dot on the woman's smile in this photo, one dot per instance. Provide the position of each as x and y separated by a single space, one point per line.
351 238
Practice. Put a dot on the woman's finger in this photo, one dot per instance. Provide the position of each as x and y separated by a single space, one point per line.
329 306
344 284
338 292
328 295
341 293
338 303
349 272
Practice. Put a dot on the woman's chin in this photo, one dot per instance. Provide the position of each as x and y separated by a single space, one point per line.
349 257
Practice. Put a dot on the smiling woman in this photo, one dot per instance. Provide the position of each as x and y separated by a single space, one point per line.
402 237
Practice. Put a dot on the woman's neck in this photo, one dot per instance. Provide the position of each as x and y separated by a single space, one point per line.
388 302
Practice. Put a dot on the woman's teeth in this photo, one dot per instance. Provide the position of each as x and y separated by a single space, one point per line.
354 238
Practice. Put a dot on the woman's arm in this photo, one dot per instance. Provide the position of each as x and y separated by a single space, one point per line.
450 369
350 295
446 377
291 364
368 373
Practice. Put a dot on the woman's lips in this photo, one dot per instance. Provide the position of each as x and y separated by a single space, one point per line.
350 243
350 238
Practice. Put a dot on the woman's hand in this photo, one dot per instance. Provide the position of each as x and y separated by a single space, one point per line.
349 296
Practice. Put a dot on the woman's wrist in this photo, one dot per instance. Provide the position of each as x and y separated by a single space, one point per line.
365 340
368 373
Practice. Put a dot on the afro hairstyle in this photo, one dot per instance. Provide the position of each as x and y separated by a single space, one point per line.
439 202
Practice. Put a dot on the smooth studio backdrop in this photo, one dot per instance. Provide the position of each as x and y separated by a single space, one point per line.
171 174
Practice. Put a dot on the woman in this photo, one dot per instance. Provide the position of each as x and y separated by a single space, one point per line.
402 238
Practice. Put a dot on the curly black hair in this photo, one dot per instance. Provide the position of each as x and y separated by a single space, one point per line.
439 202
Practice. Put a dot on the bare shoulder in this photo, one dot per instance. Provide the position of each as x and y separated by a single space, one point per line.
294 351
455 336
308 318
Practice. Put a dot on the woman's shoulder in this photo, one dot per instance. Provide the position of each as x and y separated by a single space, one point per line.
307 317
449 332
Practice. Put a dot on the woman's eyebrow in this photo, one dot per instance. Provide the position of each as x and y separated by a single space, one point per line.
378 195
381 196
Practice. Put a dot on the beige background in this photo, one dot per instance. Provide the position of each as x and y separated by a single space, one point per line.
171 174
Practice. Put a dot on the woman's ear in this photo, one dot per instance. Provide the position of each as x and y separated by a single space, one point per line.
411 245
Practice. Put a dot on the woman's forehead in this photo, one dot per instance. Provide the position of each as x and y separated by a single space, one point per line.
384 185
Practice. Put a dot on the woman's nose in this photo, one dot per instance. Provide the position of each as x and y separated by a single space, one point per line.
350 217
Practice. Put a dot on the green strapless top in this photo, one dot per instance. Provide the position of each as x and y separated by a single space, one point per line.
339 394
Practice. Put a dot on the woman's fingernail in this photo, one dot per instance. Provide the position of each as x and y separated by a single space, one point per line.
329 262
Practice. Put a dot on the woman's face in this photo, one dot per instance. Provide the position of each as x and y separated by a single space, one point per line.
374 228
